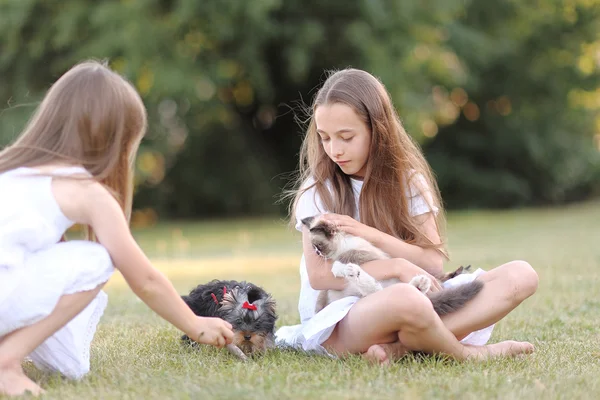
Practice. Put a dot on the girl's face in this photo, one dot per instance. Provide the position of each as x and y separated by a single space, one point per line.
345 137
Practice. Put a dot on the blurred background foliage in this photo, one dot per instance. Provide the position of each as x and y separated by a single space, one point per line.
503 95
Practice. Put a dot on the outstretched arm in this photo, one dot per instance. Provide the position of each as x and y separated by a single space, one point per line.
91 204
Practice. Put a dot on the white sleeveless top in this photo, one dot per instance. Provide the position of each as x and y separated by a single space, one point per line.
30 220
36 270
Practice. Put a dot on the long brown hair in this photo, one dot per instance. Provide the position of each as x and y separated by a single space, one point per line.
92 117
394 161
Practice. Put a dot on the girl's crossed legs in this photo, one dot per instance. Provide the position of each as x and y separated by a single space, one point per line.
399 318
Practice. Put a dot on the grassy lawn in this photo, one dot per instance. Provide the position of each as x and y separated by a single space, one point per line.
137 355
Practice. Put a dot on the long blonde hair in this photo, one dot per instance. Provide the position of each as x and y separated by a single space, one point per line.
394 161
91 116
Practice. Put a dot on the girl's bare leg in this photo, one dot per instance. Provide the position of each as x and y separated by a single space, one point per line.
15 346
505 288
401 313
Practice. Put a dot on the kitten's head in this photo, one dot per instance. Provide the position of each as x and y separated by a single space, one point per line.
324 235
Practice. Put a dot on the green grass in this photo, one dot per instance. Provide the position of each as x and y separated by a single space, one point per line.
137 355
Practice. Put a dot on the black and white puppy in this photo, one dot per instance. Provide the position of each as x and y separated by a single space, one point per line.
247 307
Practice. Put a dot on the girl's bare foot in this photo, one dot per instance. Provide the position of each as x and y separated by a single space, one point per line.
503 349
384 353
14 382
377 355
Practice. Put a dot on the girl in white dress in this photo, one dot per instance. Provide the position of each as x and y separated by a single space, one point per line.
357 163
73 163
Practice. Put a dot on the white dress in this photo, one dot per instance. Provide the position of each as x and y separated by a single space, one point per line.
314 329
36 270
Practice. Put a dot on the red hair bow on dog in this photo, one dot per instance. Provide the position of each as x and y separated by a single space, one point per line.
249 306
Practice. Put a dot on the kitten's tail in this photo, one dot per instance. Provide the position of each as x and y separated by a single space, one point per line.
447 301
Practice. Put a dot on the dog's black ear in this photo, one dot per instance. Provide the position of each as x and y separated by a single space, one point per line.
307 221
254 293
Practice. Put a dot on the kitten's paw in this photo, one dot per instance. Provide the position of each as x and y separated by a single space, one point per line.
341 270
421 282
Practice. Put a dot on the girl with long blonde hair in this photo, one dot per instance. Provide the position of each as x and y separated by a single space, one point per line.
73 163
360 168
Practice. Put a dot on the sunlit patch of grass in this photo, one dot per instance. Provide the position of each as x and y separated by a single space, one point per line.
135 354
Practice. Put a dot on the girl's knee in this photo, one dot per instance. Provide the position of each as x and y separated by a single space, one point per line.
524 278
85 251
98 255
103 256
410 307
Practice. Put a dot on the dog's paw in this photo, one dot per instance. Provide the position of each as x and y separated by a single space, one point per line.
421 282
341 270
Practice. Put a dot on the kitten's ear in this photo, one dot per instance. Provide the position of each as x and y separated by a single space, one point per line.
327 230
307 221
330 230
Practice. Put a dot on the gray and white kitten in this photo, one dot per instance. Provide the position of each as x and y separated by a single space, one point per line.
348 252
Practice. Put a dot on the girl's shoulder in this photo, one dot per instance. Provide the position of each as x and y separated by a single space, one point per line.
419 194
77 198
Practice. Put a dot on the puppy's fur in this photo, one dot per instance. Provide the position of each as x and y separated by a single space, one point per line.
234 302
348 252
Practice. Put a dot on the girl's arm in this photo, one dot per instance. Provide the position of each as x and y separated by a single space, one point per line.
430 260
91 204
321 277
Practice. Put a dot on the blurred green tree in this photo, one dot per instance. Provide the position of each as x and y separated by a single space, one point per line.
501 95
529 105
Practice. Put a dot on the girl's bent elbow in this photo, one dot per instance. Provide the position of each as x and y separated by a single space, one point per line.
316 274
316 281
436 264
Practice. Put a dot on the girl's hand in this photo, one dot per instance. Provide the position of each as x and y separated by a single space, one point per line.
408 270
351 226
213 331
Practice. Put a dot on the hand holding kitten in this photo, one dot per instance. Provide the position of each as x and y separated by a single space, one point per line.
351 226
409 271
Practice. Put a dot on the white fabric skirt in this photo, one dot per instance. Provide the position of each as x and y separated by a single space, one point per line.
310 335
45 277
